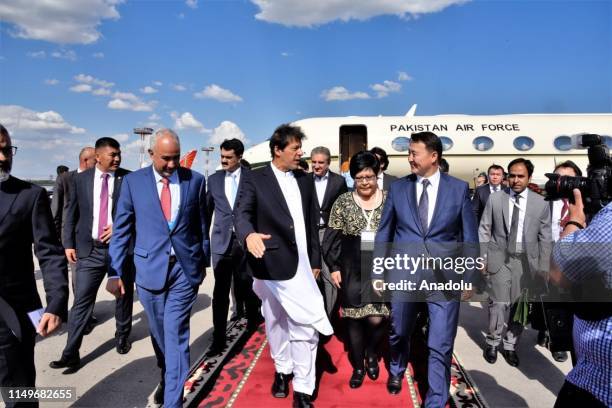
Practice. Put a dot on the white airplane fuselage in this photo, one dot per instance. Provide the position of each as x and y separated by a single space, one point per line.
541 138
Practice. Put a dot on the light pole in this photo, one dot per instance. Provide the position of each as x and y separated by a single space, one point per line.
143 132
206 151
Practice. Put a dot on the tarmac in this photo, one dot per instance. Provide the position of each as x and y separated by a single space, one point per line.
108 379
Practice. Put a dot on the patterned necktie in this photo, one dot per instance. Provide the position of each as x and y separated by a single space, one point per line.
564 214
103 214
514 225
166 200
424 206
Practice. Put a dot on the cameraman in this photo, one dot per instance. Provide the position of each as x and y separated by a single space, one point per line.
583 254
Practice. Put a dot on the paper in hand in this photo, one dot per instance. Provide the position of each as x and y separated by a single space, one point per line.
35 317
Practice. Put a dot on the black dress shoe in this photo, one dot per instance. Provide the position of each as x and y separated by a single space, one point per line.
158 397
372 368
64 362
216 348
560 356
511 357
542 338
301 400
280 386
394 384
123 345
490 354
357 378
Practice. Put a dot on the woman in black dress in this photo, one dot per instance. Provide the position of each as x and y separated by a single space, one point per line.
354 218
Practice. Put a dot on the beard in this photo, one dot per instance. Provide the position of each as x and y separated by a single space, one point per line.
5 171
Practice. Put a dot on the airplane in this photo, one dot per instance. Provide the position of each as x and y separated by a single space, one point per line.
470 143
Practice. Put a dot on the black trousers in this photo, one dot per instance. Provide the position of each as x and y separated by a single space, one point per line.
91 272
17 358
232 266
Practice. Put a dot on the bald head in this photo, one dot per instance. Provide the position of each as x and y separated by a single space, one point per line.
165 151
87 158
6 154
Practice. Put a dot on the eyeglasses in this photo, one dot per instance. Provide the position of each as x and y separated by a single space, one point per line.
365 179
9 151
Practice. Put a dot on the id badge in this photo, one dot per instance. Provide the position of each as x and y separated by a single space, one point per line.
368 236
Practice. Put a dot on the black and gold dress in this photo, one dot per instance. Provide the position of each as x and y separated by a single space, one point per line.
342 252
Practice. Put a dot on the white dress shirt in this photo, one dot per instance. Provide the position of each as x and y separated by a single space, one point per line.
432 193
379 180
557 206
321 186
229 185
522 207
97 189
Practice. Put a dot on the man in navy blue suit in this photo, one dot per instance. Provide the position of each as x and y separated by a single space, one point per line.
228 257
162 208
427 210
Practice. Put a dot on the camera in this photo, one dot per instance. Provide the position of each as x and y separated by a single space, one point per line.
596 187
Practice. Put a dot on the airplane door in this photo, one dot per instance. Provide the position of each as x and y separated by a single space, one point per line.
353 138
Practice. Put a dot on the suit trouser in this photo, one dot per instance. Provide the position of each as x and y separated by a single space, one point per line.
232 267
293 346
17 358
503 304
168 312
443 318
328 289
91 271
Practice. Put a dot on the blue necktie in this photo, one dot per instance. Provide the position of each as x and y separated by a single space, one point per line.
424 206
234 189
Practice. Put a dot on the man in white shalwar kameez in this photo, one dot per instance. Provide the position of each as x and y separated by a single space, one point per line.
277 220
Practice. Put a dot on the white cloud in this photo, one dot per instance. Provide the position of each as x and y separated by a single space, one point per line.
226 130
23 122
134 105
121 137
125 95
383 90
217 93
88 79
154 117
148 90
80 88
36 54
179 87
403 76
314 12
52 81
340 93
192 3
187 121
285 54
101 92
157 83
69 55
73 22
98 55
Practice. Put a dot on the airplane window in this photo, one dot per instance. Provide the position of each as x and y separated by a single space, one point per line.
523 143
483 143
563 143
400 143
447 143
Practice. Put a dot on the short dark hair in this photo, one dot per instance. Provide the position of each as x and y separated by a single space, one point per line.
384 159
495 167
568 164
245 163
233 144
61 169
304 165
431 141
107 141
527 163
483 174
443 164
364 160
284 134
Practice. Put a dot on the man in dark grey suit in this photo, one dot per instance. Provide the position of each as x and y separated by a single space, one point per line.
87 233
25 219
228 258
328 187
384 180
482 193
515 237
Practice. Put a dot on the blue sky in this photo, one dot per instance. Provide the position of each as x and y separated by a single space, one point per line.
73 71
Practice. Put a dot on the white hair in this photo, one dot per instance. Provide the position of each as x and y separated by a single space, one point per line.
163 132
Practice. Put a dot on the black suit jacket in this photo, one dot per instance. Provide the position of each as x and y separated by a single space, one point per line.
25 219
336 185
79 217
61 198
262 208
479 201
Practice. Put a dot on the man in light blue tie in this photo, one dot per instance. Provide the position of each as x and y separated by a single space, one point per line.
228 257
162 209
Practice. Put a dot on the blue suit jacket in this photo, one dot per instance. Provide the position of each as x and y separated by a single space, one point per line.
139 216
453 223
217 203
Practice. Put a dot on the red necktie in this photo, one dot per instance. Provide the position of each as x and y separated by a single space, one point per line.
564 213
166 200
